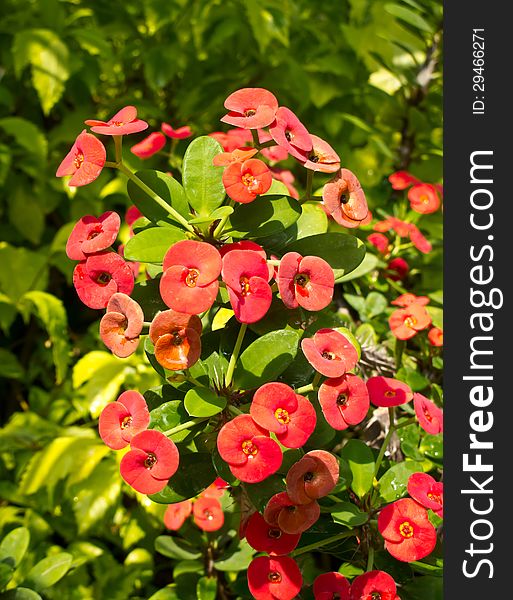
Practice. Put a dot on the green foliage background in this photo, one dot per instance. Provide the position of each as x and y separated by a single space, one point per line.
363 74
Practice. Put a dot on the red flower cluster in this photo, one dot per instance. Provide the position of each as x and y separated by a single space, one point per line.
403 230
405 323
152 458
431 418
427 492
373 585
423 197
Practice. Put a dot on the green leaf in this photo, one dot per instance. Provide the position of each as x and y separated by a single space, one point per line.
239 560
368 264
183 485
413 378
267 215
6 573
349 515
48 57
163 185
203 402
14 545
408 16
20 593
21 271
49 571
150 245
50 310
342 251
312 221
361 463
218 213
393 484
168 415
175 548
10 367
266 358
147 295
202 181
423 587
207 588
437 316
260 493
27 135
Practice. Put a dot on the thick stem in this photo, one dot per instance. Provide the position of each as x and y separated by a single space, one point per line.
330 540
155 197
370 558
386 441
235 355
118 148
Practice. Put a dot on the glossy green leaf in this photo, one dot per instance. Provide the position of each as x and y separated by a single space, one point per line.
20 593
260 493
361 462
22 270
10 367
368 264
349 515
14 545
49 59
266 358
201 179
182 485
168 415
237 561
6 573
207 588
408 16
267 215
218 213
393 483
49 571
150 245
203 402
342 251
50 310
164 186
175 548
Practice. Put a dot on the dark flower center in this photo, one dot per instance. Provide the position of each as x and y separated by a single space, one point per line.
274 534
301 280
177 339
308 476
103 278
274 577
126 422
314 157
78 160
375 596
328 355
249 112
288 136
342 399
94 233
151 460
191 277
344 199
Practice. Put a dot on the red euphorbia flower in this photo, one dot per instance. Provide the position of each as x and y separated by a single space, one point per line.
430 416
239 155
344 401
286 177
189 283
84 162
215 489
208 513
176 338
250 108
274 578
385 391
379 241
123 122
423 198
244 181
374 585
249 451
321 157
290 517
406 300
92 234
151 461
149 146
246 275
269 538
344 199
407 531
330 353
122 324
289 133
436 336
306 282
100 276
272 153
176 514
427 491
400 227
331 585
132 214
313 476
121 420
397 269
401 180
248 245
419 240
407 322
277 408
176 134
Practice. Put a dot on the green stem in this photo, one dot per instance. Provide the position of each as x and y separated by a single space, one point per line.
386 441
235 411
370 559
406 423
192 379
118 148
309 184
256 141
325 542
396 286
186 425
235 355
155 197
